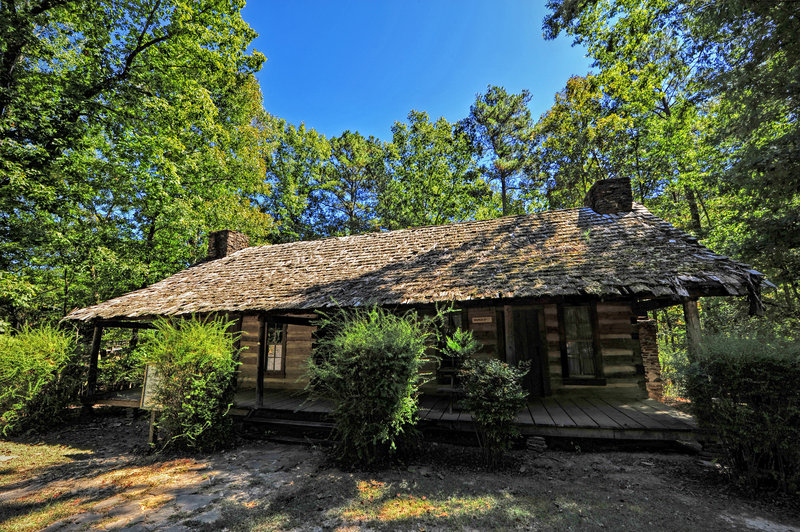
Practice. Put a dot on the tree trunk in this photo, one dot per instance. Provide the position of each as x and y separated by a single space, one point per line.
692 316
503 191
693 210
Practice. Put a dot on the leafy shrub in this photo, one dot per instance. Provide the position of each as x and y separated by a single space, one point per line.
368 363
40 375
674 365
493 393
460 346
196 362
746 390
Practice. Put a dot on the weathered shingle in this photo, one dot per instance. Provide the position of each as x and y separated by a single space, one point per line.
569 252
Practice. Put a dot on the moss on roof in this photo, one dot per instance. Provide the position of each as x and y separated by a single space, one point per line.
572 252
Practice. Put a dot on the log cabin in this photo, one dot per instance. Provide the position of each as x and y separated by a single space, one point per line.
568 290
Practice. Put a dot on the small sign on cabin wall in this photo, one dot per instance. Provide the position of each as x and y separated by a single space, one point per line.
151 381
481 319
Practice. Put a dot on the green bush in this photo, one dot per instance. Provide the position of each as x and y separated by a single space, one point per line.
460 346
196 362
493 394
40 375
674 365
746 390
368 363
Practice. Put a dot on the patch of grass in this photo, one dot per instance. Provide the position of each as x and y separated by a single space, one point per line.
31 459
43 513
41 471
404 507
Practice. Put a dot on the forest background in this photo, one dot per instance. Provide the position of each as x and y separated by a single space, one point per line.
131 129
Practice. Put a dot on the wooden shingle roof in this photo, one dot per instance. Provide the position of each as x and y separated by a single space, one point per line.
562 253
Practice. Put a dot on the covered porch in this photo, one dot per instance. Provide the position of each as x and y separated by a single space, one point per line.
560 416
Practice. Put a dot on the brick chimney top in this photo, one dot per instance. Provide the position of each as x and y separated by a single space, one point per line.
610 196
223 243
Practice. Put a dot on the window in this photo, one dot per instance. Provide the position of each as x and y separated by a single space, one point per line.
580 360
274 356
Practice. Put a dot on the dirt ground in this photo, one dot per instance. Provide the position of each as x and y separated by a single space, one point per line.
94 475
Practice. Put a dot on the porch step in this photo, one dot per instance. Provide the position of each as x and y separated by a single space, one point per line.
294 428
277 413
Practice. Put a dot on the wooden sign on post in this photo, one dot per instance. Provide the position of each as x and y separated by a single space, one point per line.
148 401
151 381
481 319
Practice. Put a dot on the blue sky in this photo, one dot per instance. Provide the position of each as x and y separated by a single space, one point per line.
362 65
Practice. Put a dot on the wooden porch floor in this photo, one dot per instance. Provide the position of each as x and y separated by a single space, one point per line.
558 416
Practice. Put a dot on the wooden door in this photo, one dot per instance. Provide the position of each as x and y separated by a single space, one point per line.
526 330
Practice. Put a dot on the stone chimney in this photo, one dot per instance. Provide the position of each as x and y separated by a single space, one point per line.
223 243
609 196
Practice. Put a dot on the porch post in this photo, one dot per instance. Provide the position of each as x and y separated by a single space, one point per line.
511 352
94 356
692 317
262 340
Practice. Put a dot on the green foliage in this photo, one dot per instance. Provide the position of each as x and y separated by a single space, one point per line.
122 359
579 140
433 176
460 346
500 126
40 375
746 390
196 362
353 176
674 365
369 364
128 130
493 394
295 169
708 96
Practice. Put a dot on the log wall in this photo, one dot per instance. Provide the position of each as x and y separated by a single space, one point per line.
620 353
298 348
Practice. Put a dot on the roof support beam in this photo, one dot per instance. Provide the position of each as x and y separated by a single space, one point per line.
262 347
642 307
94 357
122 324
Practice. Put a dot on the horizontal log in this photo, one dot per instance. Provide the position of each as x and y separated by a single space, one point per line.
481 311
620 343
606 306
612 352
618 360
604 335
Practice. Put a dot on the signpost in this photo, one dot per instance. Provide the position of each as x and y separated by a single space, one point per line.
148 401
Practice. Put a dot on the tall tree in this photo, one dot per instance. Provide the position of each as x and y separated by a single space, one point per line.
501 127
124 126
353 176
295 170
433 175
578 141
721 77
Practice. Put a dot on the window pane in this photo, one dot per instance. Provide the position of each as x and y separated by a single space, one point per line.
580 343
278 358
274 348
